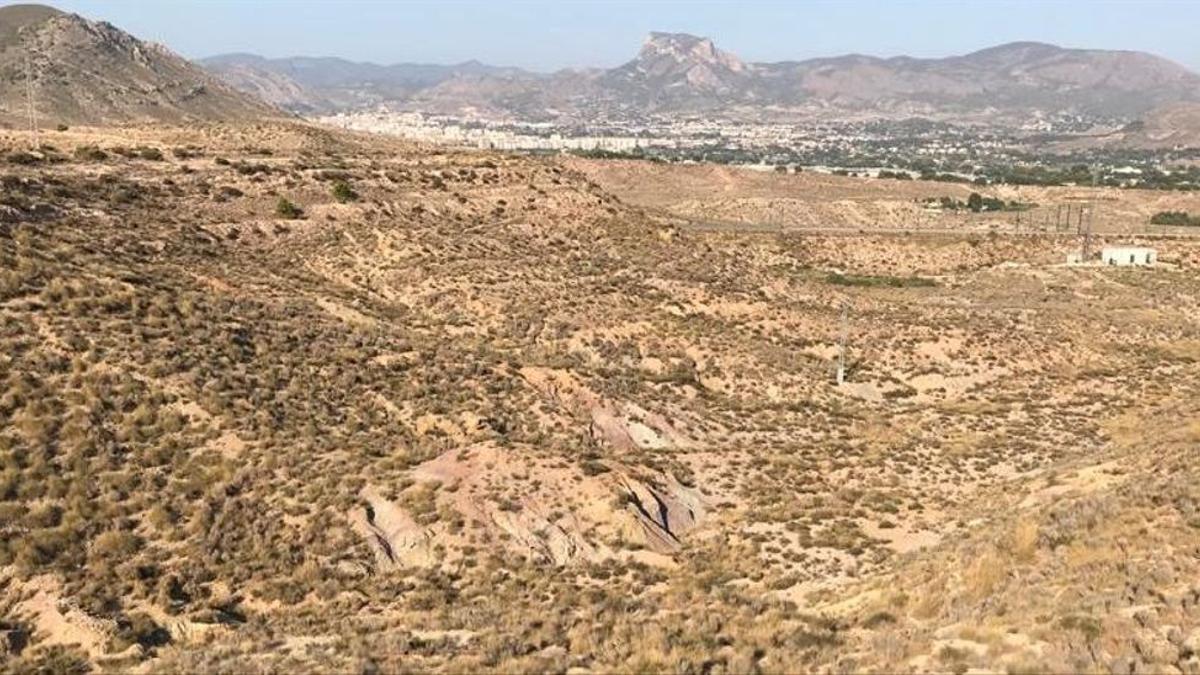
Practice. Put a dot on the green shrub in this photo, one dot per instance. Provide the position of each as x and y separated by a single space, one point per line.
115 544
343 192
90 153
148 153
284 208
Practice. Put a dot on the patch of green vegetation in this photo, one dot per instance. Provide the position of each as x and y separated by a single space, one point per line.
284 208
1175 218
838 279
636 153
343 193
977 203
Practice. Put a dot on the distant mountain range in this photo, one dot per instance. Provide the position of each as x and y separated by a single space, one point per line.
683 73
90 72
307 84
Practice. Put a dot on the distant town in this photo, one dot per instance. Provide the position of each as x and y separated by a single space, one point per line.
1035 152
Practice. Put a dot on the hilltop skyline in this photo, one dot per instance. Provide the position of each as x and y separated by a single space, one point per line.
544 37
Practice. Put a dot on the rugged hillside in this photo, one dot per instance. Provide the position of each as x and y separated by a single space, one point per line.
88 72
684 69
252 75
303 84
1012 76
678 72
1169 126
466 411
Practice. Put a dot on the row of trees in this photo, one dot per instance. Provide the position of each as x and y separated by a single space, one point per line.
977 203
1175 218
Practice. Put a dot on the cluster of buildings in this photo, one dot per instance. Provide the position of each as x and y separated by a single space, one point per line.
498 136
673 134
860 146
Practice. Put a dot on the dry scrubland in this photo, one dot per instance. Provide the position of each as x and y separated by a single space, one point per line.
477 413
731 195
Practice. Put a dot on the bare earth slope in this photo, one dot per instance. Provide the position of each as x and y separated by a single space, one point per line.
480 414
89 72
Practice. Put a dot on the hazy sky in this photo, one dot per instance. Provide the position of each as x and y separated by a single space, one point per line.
544 35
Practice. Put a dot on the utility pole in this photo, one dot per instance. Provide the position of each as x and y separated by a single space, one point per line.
1086 252
1087 231
841 366
33 126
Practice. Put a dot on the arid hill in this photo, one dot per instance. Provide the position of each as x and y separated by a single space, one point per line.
90 72
1170 126
279 398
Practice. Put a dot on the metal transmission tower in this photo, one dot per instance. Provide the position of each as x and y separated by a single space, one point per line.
841 365
33 126
1085 251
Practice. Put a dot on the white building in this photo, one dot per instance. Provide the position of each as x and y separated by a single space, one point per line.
1128 255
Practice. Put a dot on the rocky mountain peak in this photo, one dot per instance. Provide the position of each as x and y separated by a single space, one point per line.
686 51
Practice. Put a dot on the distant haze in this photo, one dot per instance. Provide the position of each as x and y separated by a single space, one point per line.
546 36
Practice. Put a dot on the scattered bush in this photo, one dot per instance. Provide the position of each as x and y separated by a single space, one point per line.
343 193
90 153
149 154
284 208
